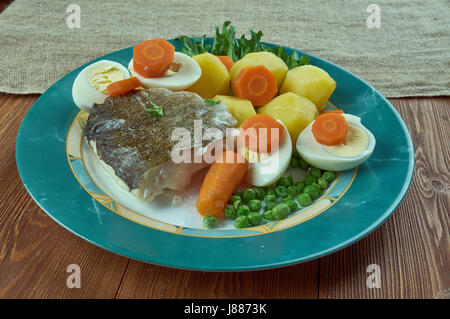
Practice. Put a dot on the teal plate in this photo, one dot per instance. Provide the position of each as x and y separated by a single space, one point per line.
356 204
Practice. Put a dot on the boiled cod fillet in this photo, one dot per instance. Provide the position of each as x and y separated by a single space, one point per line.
135 147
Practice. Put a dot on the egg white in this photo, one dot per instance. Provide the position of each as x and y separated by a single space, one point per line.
269 170
316 154
83 94
187 75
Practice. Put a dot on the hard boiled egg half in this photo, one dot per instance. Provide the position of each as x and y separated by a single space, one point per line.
357 147
90 85
184 72
266 170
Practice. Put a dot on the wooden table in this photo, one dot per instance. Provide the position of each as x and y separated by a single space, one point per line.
412 247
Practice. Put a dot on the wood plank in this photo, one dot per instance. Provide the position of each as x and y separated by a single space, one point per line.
34 250
147 281
412 247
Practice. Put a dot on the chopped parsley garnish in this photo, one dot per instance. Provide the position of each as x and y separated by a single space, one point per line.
211 102
226 43
154 110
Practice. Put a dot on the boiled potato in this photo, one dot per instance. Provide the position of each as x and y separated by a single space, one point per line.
215 78
311 82
296 112
268 59
241 109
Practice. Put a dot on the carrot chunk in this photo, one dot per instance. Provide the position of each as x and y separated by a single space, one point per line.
266 135
332 111
222 179
123 86
226 60
152 58
257 84
330 129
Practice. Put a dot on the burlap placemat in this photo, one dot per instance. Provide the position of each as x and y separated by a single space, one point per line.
408 55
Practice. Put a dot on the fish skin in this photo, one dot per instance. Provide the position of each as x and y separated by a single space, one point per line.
132 141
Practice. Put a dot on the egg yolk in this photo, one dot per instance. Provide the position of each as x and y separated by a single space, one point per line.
356 142
103 75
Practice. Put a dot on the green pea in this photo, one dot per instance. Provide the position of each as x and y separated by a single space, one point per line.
310 179
241 222
293 206
293 190
300 186
260 193
234 198
243 210
210 221
293 162
270 206
304 199
268 215
287 198
281 191
280 211
254 205
303 164
270 198
237 204
322 182
316 172
230 212
239 193
249 194
254 219
318 187
312 190
295 154
283 181
329 176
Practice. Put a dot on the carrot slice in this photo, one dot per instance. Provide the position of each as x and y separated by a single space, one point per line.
226 60
266 135
222 179
152 58
332 111
123 86
330 129
256 84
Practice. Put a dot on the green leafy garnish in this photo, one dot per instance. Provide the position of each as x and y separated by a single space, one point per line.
211 102
226 43
154 110
193 46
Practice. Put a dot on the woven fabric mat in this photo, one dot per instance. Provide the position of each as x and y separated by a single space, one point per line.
408 55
